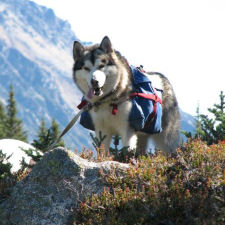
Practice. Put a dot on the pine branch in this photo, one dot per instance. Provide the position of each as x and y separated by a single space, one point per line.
97 142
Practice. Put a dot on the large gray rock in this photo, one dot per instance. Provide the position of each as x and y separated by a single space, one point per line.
54 189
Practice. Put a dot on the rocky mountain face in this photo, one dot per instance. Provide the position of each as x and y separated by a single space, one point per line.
36 58
188 123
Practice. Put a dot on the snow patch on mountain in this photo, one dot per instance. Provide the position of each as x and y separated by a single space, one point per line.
14 148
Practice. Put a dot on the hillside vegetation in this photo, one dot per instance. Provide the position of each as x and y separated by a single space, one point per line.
158 190
186 189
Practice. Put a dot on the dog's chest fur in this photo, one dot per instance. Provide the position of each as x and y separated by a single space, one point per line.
106 122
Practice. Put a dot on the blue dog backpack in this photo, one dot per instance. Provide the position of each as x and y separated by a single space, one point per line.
146 111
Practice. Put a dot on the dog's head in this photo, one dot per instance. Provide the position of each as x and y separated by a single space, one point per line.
95 71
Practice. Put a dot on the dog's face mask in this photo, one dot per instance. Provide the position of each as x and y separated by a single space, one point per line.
94 68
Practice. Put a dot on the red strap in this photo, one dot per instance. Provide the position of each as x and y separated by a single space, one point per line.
152 115
114 109
82 104
153 97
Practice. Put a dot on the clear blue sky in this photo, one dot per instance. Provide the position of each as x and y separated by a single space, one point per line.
184 39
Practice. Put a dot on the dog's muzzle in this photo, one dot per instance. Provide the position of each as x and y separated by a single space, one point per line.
96 87
97 82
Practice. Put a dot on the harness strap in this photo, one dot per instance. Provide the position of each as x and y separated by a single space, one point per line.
153 114
82 104
114 109
153 97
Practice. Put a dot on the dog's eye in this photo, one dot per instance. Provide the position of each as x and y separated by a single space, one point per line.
101 66
86 68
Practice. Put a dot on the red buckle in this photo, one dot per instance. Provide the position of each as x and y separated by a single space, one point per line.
82 104
114 109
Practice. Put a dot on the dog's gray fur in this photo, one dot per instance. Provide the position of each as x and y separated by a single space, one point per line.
104 78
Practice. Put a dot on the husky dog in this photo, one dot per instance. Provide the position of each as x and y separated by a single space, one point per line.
104 77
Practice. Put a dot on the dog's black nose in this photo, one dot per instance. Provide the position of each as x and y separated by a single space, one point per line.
94 83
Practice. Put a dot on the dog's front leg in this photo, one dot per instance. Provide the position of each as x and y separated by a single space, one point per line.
129 139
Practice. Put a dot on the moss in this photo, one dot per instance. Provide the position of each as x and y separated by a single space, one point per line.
188 189
55 167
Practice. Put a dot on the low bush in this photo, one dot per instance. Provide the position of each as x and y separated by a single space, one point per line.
7 179
159 190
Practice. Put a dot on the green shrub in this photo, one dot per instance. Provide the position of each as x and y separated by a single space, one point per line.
210 129
7 179
188 189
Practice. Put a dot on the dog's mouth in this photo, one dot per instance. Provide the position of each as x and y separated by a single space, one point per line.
97 91
94 92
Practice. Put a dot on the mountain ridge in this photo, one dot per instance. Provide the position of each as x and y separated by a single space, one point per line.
36 58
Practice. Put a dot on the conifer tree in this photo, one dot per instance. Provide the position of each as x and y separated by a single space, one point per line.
43 138
55 132
47 136
43 131
13 125
199 131
212 129
2 121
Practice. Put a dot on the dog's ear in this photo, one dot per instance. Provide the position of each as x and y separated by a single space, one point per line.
78 50
106 45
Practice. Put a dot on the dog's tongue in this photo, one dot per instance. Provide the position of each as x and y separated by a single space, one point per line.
90 93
